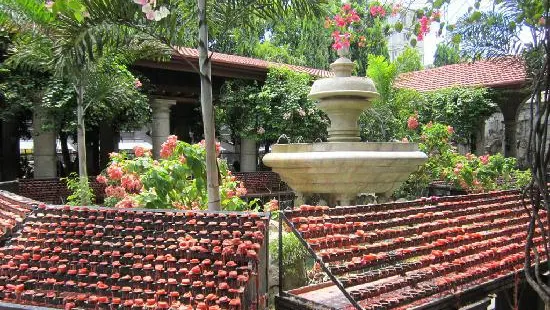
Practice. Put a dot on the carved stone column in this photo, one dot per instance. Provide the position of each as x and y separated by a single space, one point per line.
161 123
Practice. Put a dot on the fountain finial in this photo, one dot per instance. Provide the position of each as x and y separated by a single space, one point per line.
343 66
343 97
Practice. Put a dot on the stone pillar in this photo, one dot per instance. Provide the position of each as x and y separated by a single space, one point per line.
161 123
45 158
249 155
510 140
480 140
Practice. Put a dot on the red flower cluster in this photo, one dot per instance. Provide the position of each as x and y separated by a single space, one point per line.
115 191
114 172
131 182
140 151
424 27
412 122
167 148
343 22
377 10
218 146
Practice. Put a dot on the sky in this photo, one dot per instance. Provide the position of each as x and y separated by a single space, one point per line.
455 10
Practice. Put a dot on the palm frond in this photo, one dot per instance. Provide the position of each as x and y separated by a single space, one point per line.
30 53
26 16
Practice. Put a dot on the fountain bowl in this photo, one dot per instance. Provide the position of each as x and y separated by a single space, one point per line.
344 169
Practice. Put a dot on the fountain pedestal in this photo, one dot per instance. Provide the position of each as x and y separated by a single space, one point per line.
344 167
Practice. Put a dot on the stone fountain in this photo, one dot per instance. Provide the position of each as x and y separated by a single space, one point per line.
344 167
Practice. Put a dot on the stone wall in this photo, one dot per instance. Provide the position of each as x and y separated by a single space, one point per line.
262 182
54 190
494 134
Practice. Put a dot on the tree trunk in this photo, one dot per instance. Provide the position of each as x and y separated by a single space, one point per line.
213 185
81 136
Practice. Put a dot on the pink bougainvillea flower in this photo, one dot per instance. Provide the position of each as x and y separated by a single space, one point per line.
151 15
230 194
101 179
126 203
484 159
346 7
377 10
412 122
139 151
340 21
115 191
241 190
114 172
167 148
137 83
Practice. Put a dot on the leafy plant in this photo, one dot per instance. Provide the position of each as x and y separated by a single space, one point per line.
177 180
468 172
409 60
446 54
280 106
383 73
78 190
294 258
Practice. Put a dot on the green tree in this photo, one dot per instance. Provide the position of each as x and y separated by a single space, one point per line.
446 54
280 106
383 73
64 41
409 60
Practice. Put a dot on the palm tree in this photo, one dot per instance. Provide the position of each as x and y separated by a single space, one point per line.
78 32
174 31
65 40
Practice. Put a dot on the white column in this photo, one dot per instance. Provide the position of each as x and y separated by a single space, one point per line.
249 156
161 123
45 159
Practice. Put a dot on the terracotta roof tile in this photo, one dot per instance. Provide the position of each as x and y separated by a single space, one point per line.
86 257
255 63
488 73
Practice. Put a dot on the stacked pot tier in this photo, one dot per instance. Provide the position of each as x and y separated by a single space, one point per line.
400 255
12 212
99 258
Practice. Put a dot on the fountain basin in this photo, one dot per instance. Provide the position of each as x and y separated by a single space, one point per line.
345 169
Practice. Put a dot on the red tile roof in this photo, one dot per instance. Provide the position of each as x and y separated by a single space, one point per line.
247 62
489 73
